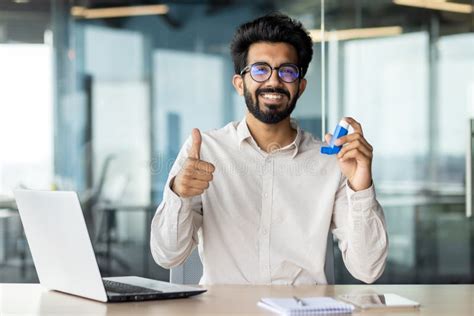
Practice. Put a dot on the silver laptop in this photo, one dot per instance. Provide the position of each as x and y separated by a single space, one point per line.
64 258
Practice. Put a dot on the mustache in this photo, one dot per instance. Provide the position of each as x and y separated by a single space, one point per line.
273 90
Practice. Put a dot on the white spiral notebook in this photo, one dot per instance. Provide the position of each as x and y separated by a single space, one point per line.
305 306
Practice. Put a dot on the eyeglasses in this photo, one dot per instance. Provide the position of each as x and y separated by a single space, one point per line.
261 72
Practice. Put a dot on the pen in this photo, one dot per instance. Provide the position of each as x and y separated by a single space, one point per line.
299 301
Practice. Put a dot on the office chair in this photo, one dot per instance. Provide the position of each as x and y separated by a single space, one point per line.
190 272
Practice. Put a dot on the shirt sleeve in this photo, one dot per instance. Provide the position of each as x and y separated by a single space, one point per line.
175 226
359 225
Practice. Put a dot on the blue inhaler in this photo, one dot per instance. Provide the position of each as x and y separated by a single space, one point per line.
341 130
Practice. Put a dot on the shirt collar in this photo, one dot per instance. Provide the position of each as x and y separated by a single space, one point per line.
243 133
297 141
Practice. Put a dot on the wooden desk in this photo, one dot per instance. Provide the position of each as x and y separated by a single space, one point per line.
32 299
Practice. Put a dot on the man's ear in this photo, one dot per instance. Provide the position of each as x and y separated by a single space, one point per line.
302 86
238 83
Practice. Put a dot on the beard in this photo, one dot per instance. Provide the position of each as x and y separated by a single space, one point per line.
273 116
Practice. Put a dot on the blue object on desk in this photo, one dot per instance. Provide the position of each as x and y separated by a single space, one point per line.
341 130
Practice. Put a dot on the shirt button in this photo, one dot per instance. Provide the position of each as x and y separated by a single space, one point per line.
265 195
264 231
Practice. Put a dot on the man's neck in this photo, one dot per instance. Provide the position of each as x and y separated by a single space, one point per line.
271 136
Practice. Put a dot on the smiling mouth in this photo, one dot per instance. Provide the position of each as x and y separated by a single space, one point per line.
272 97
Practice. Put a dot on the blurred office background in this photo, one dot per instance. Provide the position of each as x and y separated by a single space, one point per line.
100 101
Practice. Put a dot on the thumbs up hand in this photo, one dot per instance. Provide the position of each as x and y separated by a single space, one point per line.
195 175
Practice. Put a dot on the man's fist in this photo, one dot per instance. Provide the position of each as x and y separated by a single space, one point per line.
196 174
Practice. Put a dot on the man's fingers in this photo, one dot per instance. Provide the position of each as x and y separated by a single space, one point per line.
194 178
201 165
355 125
327 137
198 174
198 184
188 185
353 137
195 150
191 182
205 166
356 144
355 154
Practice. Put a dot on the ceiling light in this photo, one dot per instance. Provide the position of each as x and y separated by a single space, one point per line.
115 12
342 35
437 5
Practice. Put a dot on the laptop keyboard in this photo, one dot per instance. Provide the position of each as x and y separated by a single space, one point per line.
123 288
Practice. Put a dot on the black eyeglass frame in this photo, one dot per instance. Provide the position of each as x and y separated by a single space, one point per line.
248 67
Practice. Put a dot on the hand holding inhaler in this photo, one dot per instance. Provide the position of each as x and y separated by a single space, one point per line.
341 130
354 153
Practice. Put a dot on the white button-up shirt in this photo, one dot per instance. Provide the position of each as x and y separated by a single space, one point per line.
265 217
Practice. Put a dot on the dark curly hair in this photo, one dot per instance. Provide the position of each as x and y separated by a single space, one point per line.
274 27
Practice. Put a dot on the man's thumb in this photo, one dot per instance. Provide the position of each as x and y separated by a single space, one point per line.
195 151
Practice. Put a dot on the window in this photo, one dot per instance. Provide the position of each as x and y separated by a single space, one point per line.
26 121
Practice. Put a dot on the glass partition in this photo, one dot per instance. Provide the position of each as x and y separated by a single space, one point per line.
406 73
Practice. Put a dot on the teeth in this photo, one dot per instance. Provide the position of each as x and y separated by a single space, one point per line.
272 96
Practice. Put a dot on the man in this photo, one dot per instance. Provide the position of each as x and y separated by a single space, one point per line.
257 196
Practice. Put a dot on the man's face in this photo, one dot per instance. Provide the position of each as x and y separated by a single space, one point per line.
273 100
